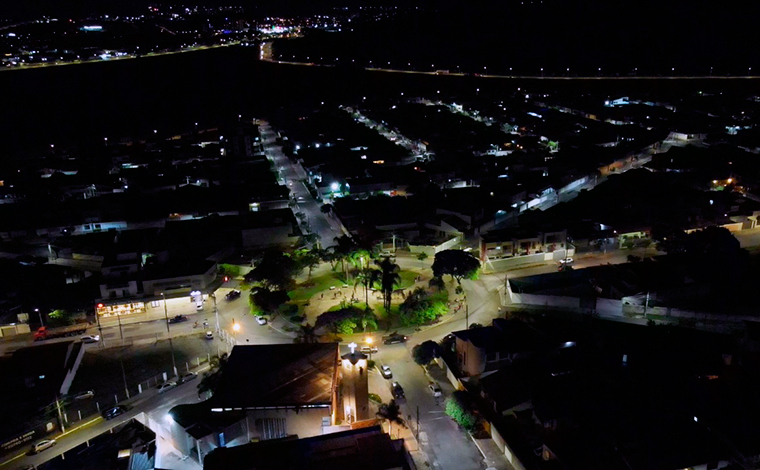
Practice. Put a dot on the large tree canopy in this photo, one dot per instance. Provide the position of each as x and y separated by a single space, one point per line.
456 263
266 300
275 271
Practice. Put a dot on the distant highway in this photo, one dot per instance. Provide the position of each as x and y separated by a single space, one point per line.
267 56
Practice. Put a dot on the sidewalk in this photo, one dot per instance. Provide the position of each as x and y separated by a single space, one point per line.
494 458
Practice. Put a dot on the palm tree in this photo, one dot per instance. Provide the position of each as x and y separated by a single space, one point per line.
211 378
389 279
306 335
392 413
367 277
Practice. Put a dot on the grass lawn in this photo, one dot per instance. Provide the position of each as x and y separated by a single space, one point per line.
316 285
407 279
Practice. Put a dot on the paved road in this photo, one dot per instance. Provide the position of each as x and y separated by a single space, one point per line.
443 444
154 404
293 175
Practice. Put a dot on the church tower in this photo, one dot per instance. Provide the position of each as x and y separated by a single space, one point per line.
354 390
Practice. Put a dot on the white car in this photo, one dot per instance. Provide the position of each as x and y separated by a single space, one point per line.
90 338
84 395
261 320
43 444
166 386
435 389
386 371
566 261
209 335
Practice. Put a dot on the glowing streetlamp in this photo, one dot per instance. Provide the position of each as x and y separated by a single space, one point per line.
368 340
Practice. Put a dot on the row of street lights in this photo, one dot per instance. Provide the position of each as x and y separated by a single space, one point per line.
485 68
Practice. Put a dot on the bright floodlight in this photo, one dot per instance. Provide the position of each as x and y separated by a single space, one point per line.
335 186
236 327
369 340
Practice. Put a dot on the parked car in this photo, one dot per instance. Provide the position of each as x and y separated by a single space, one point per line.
397 391
435 389
394 338
188 377
209 335
90 338
566 261
232 295
178 319
166 386
261 320
84 395
386 371
42 445
369 350
199 306
111 413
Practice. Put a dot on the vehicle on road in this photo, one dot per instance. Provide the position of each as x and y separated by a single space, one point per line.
261 320
90 338
178 319
84 395
435 389
42 445
166 386
397 390
232 295
199 306
386 371
394 338
209 335
368 350
45 332
111 413
386 253
186 377
566 261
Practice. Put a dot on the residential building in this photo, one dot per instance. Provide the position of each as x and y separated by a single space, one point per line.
487 348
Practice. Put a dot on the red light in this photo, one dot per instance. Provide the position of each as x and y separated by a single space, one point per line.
100 305
226 278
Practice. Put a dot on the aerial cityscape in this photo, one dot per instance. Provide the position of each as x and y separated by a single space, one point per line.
518 235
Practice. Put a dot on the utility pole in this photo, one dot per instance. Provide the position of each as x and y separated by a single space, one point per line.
646 304
216 313
100 330
466 316
418 423
171 345
60 415
121 332
124 376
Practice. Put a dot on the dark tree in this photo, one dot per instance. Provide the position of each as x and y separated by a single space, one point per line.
211 378
275 271
456 263
425 352
392 412
389 279
268 301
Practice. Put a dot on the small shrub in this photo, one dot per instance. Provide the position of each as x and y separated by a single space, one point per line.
371 364
375 398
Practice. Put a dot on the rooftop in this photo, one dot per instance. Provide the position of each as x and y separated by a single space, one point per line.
367 449
278 375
